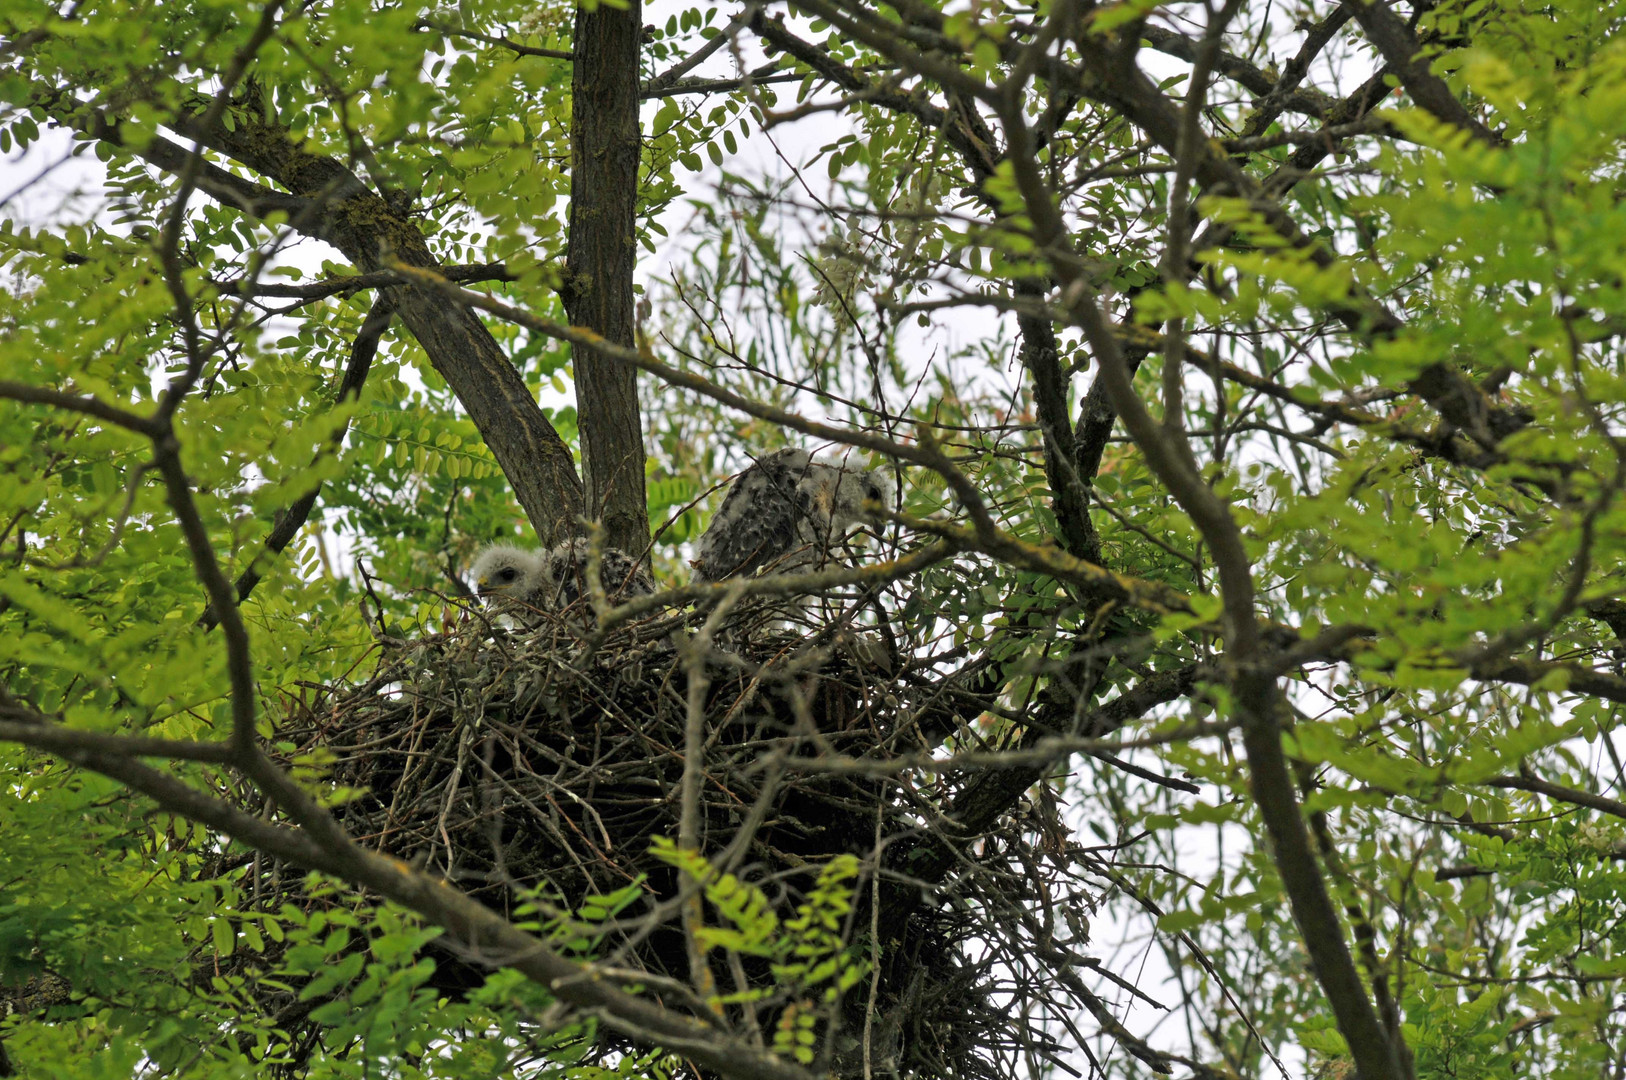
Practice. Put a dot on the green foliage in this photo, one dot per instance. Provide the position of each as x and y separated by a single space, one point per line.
811 963
877 288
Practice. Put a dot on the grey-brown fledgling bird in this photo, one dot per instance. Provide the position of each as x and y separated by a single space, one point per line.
785 513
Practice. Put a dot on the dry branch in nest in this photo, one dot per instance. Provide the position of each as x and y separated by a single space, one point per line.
524 766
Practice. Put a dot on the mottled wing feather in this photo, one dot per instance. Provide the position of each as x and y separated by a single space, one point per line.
783 513
757 523
623 576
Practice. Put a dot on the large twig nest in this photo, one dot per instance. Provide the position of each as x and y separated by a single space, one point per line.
527 766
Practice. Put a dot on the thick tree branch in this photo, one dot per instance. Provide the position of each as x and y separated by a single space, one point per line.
440 27
1284 89
1375 1055
1069 490
1573 796
668 78
84 404
978 154
1276 100
1569 677
1257 696
256 200
354 283
766 75
1401 50
333 205
368 231
41 734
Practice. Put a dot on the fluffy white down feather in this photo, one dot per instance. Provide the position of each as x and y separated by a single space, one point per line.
509 576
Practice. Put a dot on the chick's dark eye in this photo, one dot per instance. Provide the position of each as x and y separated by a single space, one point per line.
506 575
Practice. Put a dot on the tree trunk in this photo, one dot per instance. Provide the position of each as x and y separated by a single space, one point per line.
599 265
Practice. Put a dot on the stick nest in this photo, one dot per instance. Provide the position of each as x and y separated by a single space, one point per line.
531 765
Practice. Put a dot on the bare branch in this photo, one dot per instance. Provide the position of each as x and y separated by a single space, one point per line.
1573 796
512 46
79 403
69 742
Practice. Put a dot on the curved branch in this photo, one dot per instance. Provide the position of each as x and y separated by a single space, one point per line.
41 734
79 403
1573 796
514 47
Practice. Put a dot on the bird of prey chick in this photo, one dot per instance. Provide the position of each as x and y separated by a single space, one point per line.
508 578
784 513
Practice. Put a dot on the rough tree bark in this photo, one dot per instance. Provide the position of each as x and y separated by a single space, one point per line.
599 264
